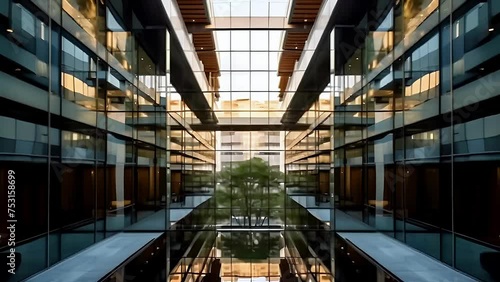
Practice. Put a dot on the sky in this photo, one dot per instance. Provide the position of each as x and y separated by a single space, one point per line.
249 59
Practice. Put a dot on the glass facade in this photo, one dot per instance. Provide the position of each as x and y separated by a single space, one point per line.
414 155
104 131
83 128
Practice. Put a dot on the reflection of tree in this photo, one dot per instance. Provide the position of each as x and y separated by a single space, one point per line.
301 181
88 9
412 8
250 246
249 191
199 180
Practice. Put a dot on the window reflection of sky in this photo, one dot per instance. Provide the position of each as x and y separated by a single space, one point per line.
249 64
246 8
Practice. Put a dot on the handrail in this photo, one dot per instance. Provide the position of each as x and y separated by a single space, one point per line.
33 238
479 242
121 208
178 118
374 207
317 122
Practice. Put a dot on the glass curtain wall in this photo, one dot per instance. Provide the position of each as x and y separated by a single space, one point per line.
249 202
249 170
414 128
83 129
308 202
191 164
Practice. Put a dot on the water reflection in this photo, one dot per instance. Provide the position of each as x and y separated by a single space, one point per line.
246 255
249 246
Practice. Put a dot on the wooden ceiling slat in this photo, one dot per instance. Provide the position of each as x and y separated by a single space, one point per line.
192 6
294 42
305 11
204 42
193 10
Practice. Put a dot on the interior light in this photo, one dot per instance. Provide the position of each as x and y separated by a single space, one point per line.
201 48
357 58
194 20
142 59
491 29
10 30
295 47
305 20
17 69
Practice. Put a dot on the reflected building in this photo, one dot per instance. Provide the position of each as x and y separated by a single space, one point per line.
273 140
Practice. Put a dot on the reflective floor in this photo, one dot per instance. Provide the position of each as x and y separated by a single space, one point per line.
249 256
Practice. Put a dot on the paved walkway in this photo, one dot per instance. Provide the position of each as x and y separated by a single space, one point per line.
401 260
97 261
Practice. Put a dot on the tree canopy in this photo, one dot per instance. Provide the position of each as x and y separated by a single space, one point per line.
249 192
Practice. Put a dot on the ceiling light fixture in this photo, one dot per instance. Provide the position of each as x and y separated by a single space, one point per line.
17 69
10 30
194 20
305 20
491 29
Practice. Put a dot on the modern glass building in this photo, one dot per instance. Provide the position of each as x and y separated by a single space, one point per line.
243 141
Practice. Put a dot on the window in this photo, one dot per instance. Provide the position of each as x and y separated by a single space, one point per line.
27 22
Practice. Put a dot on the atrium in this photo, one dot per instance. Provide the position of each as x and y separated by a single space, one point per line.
250 140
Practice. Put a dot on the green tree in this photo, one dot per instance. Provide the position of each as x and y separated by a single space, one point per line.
250 192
